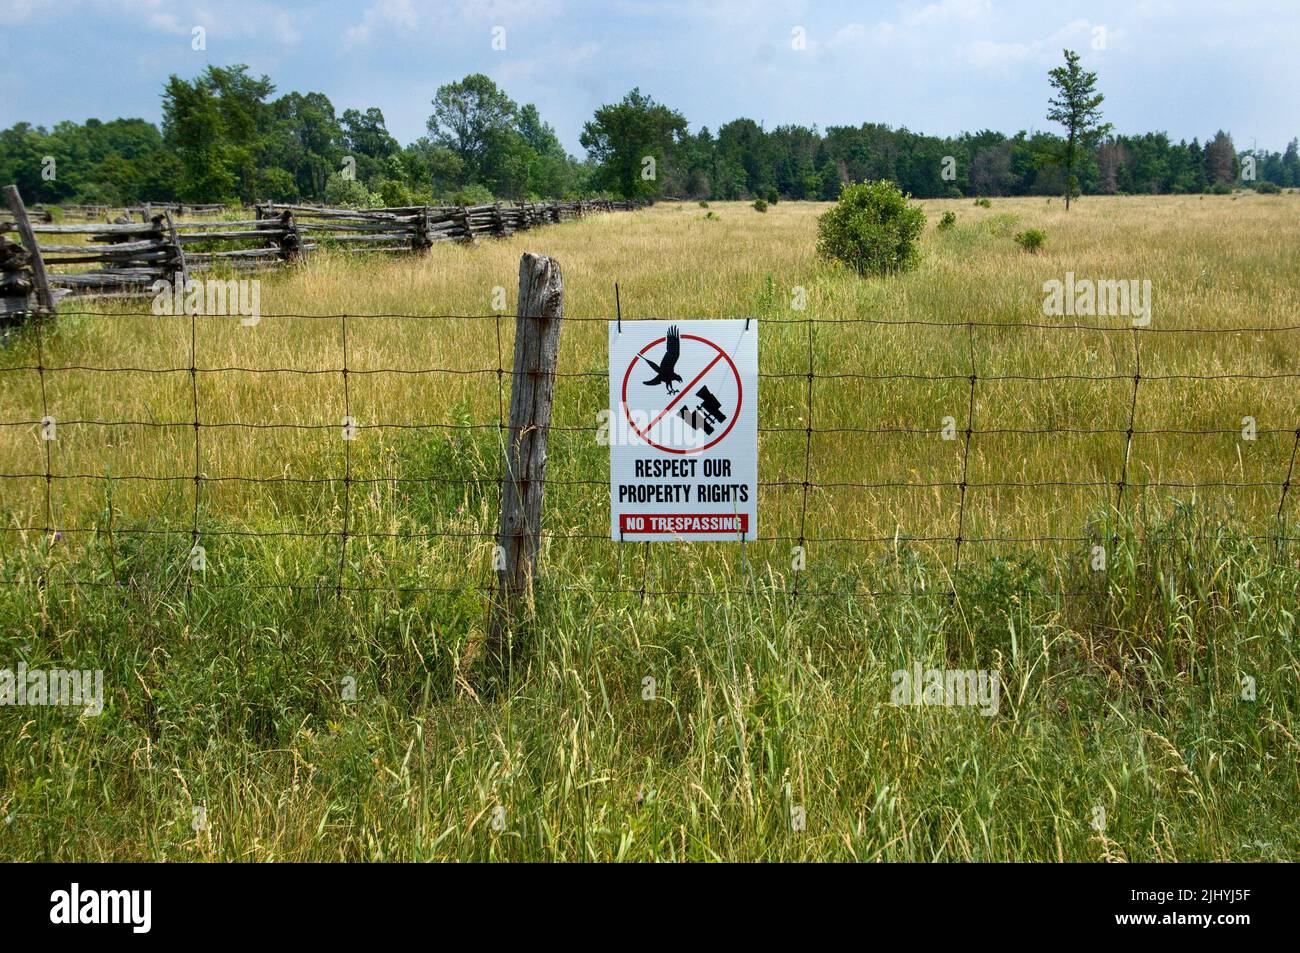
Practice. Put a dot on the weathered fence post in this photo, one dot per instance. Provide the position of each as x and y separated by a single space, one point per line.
16 282
179 276
537 344
44 299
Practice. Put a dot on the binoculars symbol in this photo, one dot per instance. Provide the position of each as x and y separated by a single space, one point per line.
707 415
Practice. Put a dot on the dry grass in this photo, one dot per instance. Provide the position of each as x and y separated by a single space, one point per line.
1212 262
229 699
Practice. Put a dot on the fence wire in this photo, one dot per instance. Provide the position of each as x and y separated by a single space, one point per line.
351 530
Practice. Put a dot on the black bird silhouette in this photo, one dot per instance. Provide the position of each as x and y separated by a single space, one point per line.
666 369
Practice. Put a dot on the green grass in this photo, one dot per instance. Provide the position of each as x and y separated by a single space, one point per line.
1122 690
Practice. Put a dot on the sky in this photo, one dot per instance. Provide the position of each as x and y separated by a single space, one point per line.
943 67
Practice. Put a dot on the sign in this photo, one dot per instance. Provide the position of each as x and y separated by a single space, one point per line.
683 430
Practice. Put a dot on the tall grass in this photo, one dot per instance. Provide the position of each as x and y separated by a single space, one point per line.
1123 690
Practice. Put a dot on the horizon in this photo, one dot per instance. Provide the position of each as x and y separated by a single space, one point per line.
972 64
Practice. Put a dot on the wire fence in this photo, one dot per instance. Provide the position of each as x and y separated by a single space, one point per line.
842 382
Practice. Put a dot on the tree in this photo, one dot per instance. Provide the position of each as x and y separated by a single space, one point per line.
474 119
1221 160
1077 107
218 125
622 136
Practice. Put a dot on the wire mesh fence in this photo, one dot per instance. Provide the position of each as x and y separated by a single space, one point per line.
337 453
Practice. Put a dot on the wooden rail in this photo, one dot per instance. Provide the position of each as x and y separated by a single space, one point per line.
124 259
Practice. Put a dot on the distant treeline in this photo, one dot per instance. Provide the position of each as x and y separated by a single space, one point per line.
225 139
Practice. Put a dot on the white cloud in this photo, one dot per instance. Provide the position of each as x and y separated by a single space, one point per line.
395 14
948 11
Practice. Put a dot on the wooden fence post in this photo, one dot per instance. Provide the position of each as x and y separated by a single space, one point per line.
16 282
44 300
179 276
537 345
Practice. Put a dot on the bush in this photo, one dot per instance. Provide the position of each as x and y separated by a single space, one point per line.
472 195
872 229
948 220
760 205
1031 239
1268 188
772 195
349 193
983 203
703 204
395 194
710 217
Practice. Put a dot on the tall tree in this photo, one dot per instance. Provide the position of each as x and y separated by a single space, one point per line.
218 125
1077 107
1221 160
622 136
474 119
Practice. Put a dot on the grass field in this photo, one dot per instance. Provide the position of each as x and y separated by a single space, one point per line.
1123 691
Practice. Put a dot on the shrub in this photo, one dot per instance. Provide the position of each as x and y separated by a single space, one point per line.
471 195
348 193
703 204
772 195
1268 188
395 194
760 205
1031 239
873 229
983 203
710 217
948 220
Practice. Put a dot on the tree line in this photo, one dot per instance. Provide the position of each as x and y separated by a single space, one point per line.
226 137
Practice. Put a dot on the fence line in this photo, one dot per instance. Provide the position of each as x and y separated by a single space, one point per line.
340 574
125 259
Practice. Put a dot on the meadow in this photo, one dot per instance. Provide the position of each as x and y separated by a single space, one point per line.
1148 711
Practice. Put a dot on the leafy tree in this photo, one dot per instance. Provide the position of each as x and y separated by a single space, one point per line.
623 135
1076 106
216 126
475 120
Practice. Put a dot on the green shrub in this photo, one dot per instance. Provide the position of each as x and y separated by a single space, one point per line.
349 193
710 217
703 204
760 205
772 195
948 220
395 194
1268 188
1031 239
873 229
983 203
471 195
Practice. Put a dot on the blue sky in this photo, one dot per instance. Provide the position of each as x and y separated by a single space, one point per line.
1188 68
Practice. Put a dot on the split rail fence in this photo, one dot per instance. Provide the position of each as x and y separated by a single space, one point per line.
125 259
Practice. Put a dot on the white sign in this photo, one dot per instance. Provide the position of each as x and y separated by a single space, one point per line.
683 430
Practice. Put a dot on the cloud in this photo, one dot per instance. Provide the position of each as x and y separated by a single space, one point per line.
948 11
383 14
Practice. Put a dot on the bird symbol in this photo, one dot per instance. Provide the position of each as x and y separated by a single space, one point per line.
666 369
